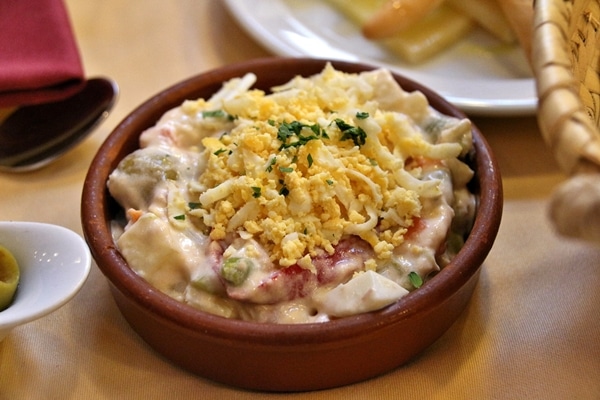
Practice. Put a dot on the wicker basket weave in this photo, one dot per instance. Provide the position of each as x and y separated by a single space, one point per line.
565 60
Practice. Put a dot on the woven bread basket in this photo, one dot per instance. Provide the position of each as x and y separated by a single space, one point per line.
566 64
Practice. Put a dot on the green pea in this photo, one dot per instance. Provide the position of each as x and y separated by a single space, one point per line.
235 270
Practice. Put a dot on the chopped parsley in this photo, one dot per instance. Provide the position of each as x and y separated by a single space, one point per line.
289 129
301 141
220 151
255 191
180 217
290 134
310 160
286 170
271 164
194 205
217 114
362 115
356 133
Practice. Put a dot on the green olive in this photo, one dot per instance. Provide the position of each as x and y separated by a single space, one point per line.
9 277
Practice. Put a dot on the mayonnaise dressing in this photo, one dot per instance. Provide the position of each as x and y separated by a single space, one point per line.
323 199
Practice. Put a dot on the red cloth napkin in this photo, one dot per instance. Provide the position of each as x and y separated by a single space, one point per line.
39 58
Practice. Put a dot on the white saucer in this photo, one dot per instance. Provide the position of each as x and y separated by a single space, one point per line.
54 263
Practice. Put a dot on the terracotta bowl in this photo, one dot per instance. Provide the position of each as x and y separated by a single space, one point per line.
273 357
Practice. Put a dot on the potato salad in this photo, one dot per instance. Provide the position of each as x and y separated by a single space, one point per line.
328 196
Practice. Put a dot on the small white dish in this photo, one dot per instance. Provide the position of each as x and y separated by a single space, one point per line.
54 262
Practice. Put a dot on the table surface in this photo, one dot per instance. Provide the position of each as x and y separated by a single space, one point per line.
530 331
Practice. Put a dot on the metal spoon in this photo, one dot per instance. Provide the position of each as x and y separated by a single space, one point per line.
33 136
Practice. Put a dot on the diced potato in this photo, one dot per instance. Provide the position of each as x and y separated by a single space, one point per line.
358 11
397 16
440 30
488 15
437 31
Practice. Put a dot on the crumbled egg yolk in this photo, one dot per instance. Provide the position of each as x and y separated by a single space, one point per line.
302 192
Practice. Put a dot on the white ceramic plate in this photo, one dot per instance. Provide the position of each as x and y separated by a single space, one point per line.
477 75
54 263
